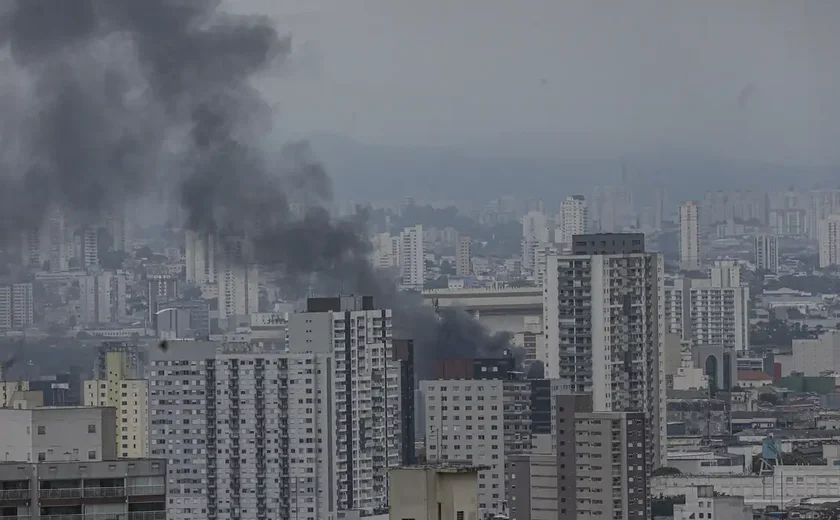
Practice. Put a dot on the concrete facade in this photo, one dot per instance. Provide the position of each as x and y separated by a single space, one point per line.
604 327
100 490
433 493
58 434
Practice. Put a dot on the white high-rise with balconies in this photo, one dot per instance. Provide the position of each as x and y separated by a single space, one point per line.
767 253
690 255
604 327
413 256
710 311
572 220
829 241
352 339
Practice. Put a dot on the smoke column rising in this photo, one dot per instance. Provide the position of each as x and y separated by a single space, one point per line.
106 101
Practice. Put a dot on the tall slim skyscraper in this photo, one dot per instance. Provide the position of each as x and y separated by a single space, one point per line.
690 255
366 432
603 327
16 306
58 241
413 254
90 247
463 257
767 253
200 257
120 389
821 204
829 240
573 219
238 278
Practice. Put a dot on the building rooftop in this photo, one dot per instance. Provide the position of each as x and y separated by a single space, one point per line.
444 468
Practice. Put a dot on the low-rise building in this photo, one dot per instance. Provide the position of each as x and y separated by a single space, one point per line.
53 434
702 502
433 492
88 490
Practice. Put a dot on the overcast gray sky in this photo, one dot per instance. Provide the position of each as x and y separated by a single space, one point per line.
753 79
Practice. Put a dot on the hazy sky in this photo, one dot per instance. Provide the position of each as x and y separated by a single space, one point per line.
753 79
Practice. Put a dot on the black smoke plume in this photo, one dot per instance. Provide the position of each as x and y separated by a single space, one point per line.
109 101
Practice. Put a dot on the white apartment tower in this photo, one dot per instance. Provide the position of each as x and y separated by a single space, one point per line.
200 257
604 327
767 253
253 434
238 278
181 420
710 311
534 233
463 257
829 241
16 306
90 247
366 431
573 219
413 255
690 256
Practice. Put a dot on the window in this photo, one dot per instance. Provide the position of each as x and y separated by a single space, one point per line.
42 456
42 430
92 455
91 428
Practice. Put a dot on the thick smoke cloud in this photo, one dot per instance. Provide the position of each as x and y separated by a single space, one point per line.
114 100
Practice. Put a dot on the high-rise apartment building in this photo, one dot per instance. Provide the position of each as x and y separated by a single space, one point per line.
604 327
767 253
16 306
829 241
821 204
479 412
366 394
710 311
90 247
95 298
413 255
791 222
180 386
534 233
160 289
200 257
238 278
298 434
690 255
121 390
463 257
598 469
572 220
58 238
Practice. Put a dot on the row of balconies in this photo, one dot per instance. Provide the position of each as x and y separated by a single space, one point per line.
88 492
134 515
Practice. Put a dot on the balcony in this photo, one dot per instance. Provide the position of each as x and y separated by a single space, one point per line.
14 494
103 492
137 491
47 494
